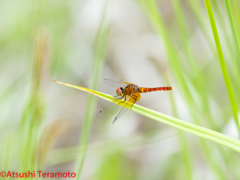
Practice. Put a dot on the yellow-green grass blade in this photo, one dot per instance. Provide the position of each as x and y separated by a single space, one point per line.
174 122
100 46
195 7
186 156
178 72
230 16
222 61
198 80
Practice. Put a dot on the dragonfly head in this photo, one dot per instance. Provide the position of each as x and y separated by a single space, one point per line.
119 91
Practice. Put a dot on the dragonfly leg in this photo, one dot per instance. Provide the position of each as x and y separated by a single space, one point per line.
123 101
120 97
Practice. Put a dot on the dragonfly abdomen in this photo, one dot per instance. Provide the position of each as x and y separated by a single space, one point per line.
145 90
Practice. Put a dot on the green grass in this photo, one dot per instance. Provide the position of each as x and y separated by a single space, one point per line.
99 56
174 122
222 62
192 46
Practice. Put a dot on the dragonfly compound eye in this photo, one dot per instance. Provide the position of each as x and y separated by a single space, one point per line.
119 91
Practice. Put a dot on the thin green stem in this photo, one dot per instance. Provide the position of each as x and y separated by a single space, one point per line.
229 10
99 54
157 21
222 62
183 140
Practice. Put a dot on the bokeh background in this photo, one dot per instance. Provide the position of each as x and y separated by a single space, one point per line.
47 126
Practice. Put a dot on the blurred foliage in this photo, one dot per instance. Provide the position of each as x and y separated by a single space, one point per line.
52 128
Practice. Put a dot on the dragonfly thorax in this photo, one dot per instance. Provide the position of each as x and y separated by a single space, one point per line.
119 91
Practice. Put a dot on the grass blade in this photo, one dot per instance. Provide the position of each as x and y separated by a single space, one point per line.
171 121
228 5
99 54
222 61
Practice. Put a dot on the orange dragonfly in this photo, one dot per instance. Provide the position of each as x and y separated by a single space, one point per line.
130 93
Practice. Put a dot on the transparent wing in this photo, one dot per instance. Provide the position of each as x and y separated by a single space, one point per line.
123 110
115 84
128 104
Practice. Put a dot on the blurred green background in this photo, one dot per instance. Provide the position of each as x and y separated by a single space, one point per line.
49 127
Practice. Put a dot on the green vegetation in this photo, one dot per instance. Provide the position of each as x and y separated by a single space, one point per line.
192 46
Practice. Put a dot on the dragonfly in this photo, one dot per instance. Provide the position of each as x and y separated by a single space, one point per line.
130 93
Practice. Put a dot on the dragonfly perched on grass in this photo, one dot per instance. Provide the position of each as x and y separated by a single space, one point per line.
130 93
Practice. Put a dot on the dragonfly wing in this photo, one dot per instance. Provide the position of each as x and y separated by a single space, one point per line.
115 84
128 104
123 110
